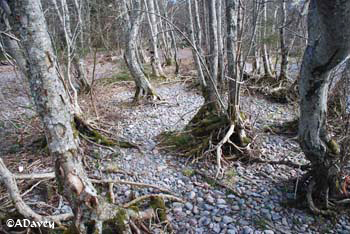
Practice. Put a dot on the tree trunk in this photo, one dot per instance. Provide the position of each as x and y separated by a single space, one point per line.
152 21
264 51
195 51
143 87
328 46
221 61
213 56
53 106
231 24
284 49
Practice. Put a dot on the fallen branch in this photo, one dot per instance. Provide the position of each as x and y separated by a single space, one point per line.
116 181
10 183
144 197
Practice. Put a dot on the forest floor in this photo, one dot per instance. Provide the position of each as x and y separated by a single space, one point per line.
250 198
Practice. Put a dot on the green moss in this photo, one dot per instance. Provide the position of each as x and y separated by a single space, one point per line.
188 172
121 220
333 147
168 62
246 140
158 204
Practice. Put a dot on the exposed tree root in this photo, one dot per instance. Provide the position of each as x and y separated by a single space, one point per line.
93 135
281 90
211 135
112 218
147 93
8 179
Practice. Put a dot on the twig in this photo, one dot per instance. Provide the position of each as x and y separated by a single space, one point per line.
94 143
144 197
9 180
220 183
116 181
111 193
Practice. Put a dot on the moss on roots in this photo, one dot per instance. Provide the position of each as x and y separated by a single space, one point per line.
204 131
82 127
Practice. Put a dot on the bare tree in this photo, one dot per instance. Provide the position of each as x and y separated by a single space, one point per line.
143 87
327 47
152 21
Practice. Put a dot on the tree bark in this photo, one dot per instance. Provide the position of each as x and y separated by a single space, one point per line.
53 106
195 50
327 47
231 24
264 50
143 87
152 21
213 55
284 49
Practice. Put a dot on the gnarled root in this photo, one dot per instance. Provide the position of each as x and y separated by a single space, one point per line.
209 134
92 134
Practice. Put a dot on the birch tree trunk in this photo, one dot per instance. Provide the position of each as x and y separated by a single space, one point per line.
231 24
283 46
152 21
264 51
195 51
221 61
143 87
328 46
213 55
53 106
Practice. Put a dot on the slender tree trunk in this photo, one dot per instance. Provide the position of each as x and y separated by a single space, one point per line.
221 61
143 87
231 24
328 46
213 55
152 21
195 50
283 46
264 51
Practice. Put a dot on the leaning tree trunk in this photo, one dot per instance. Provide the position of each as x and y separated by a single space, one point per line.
143 87
328 46
53 106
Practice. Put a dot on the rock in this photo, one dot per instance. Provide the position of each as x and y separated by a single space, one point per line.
204 221
236 208
193 222
231 231
195 210
210 199
247 230
221 201
188 206
208 207
227 219
268 232
216 228
177 204
217 218
191 195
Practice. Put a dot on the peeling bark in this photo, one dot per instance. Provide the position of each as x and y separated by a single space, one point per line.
53 107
